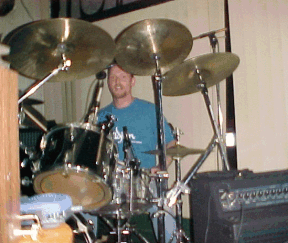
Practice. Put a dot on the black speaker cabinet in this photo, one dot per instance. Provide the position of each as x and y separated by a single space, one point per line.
239 206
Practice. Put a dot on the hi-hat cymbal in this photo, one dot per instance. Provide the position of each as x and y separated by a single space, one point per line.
213 68
138 44
37 48
177 151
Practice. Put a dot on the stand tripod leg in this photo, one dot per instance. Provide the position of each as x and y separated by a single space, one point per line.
220 142
173 194
131 229
126 228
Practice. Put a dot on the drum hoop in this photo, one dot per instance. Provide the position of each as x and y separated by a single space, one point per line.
40 176
84 126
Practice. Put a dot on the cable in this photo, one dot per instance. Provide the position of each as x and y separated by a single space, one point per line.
27 11
241 222
208 220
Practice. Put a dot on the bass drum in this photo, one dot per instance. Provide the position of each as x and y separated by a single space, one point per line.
77 160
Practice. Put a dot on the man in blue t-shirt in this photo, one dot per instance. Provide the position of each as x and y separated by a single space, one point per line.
139 117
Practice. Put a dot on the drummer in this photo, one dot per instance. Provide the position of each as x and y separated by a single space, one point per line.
139 116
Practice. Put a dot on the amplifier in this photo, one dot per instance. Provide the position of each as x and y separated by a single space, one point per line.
30 137
239 206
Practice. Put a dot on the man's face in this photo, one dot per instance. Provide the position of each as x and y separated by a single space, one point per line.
120 83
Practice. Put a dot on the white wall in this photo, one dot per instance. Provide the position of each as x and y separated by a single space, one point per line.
259 36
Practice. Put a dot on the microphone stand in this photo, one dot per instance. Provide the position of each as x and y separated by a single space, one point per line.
131 162
94 106
132 165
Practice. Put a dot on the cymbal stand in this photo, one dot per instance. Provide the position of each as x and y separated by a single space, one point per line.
179 232
162 185
214 42
36 85
217 139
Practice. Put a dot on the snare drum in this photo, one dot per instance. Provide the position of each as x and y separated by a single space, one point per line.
77 160
129 198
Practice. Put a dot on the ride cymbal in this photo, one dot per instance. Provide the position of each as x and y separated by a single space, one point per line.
139 44
213 68
39 47
177 151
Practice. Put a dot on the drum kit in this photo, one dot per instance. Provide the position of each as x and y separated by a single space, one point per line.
80 159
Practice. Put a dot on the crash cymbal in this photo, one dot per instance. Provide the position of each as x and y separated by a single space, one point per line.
37 48
30 101
213 68
137 45
177 151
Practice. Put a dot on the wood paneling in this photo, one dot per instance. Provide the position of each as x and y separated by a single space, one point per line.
9 155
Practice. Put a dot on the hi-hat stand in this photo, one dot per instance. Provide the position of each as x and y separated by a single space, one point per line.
179 233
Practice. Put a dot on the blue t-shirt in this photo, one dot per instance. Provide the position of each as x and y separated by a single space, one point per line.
140 119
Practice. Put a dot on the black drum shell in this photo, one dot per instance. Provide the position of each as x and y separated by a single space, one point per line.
69 156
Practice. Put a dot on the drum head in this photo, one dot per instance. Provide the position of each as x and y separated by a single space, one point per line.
86 190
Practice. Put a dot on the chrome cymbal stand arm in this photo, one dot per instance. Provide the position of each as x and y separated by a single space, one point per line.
36 85
131 194
163 185
159 115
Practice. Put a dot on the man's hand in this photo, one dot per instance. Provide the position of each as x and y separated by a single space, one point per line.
155 169
169 158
